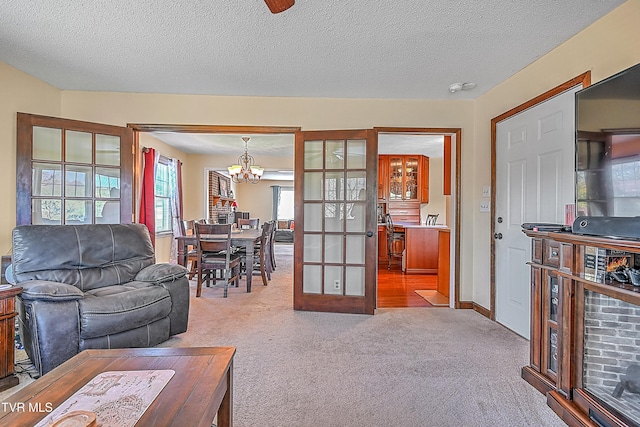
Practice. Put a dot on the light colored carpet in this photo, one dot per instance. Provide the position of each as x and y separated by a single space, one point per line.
408 367
401 367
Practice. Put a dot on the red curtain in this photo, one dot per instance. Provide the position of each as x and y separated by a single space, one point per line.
179 173
147 199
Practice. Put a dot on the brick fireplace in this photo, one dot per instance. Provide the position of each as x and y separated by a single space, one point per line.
611 345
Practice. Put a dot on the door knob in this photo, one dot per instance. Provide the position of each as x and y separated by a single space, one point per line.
498 236
369 233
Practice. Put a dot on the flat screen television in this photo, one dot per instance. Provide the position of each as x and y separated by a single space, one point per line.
608 147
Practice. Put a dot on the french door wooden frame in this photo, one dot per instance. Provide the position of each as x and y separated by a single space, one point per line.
585 80
321 299
24 162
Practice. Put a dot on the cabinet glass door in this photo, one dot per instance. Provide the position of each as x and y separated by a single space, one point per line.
411 167
396 173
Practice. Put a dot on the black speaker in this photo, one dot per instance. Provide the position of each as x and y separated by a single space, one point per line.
608 226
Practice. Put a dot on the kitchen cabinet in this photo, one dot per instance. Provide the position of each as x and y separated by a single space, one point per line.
403 184
403 178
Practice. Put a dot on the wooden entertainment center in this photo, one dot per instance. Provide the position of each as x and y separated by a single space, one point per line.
585 329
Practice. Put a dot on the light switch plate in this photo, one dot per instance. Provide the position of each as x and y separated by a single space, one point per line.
485 206
486 191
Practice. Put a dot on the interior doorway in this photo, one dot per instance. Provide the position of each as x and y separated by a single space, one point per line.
451 178
427 273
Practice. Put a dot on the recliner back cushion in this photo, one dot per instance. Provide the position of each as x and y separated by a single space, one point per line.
86 256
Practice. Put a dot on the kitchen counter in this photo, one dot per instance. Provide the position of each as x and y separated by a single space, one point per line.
427 250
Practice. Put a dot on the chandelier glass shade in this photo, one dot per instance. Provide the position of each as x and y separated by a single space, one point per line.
246 170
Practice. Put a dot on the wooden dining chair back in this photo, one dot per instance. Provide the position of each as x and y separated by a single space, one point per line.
216 262
187 228
395 241
273 245
260 261
244 223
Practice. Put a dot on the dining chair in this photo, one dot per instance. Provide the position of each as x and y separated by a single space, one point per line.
187 228
244 223
272 245
395 239
431 219
260 260
215 259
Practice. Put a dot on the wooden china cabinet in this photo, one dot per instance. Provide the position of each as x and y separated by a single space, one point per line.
403 183
585 328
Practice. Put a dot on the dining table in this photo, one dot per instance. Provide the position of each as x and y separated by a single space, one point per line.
246 238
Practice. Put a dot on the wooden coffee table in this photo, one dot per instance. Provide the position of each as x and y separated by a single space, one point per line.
201 387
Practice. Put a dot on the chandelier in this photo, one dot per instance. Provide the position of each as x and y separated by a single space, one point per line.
245 170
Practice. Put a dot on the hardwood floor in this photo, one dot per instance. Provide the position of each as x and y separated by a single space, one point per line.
396 289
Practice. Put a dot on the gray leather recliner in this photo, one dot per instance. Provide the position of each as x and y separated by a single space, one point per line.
93 286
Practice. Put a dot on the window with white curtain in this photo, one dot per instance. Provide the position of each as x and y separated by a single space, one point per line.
165 186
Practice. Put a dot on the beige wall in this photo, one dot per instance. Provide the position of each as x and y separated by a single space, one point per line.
605 48
608 46
437 200
19 93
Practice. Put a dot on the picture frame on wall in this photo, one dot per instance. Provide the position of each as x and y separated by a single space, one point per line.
223 187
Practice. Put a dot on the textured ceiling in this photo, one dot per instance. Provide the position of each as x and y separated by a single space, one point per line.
412 49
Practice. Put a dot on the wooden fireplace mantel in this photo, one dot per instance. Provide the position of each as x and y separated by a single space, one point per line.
561 279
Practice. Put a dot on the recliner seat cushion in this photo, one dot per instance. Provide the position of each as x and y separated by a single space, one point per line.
119 308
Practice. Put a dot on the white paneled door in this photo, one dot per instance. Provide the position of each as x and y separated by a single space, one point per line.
534 182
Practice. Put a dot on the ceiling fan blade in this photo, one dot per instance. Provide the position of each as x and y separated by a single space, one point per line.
277 6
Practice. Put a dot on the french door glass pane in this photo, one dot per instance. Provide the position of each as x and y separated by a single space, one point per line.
332 280
333 218
355 249
78 147
78 181
312 279
46 179
356 185
354 282
334 155
312 217
78 211
107 150
333 248
313 185
334 186
357 149
313 248
313 154
106 179
46 211
47 144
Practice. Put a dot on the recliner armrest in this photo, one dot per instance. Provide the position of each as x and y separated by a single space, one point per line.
160 273
45 290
